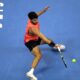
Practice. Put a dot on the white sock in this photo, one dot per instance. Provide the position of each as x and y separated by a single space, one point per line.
31 71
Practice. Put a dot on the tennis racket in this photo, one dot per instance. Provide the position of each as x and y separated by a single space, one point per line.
62 57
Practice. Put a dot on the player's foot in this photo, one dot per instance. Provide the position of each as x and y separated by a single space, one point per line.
31 76
62 47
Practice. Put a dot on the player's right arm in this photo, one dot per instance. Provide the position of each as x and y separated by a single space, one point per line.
35 31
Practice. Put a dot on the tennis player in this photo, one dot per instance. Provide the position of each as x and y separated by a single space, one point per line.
33 38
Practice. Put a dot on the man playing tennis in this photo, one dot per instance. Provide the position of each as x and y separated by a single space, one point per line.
33 38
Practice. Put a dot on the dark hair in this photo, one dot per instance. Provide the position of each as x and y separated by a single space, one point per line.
32 15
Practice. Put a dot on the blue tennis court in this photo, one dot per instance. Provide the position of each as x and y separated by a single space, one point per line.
60 23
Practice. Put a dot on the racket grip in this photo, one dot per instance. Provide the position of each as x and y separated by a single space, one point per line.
59 50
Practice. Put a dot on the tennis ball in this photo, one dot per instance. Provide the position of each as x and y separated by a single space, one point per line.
73 60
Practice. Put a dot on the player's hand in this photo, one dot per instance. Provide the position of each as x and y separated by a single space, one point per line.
56 46
59 46
46 8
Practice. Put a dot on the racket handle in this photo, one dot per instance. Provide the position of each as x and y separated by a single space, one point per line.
60 53
59 50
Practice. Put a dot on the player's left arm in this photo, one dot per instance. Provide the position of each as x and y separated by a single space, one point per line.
43 11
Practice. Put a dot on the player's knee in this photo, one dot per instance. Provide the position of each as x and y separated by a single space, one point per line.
40 56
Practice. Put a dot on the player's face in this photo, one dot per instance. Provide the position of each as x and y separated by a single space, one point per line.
34 21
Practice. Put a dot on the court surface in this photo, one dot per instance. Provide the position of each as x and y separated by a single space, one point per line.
60 23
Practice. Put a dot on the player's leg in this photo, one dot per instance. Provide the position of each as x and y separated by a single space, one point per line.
37 56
